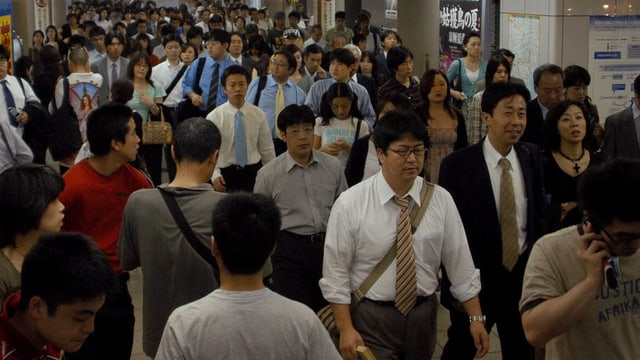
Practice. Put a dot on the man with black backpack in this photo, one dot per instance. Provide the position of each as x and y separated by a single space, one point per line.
272 93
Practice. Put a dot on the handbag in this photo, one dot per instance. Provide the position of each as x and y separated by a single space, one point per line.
157 132
326 313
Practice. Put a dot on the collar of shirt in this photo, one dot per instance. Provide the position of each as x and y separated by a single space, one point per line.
110 63
386 194
238 59
543 109
355 77
290 162
174 67
492 156
271 81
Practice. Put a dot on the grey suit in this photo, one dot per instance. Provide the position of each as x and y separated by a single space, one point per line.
100 67
620 136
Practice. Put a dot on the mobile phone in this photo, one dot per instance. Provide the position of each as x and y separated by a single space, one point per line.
610 266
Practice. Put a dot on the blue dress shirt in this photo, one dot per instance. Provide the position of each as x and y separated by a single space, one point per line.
205 80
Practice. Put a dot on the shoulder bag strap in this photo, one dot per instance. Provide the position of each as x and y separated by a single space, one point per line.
416 216
174 82
182 223
9 148
65 90
199 70
261 84
358 124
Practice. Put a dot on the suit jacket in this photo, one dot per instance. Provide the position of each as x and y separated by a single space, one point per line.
383 69
533 133
100 67
620 136
466 176
371 87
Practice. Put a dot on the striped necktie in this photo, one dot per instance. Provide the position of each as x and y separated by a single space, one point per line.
213 88
508 223
406 285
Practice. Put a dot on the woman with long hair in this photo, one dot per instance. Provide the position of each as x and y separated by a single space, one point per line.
29 197
297 76
369 67
576 87
340 122
45 83
566 134
445 123
146 101
53 39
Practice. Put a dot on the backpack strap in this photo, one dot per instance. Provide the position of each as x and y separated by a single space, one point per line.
174 82
196 83
261 84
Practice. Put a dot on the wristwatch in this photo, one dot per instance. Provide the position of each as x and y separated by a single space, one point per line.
480 318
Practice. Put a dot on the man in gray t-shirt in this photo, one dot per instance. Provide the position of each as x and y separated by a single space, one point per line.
174 274
243 319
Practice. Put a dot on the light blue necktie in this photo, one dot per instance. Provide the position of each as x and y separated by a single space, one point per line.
240 140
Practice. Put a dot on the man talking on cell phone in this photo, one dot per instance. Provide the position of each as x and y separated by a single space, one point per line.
580 296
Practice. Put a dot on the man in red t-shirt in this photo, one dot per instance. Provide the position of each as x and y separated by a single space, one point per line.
65 278
96 191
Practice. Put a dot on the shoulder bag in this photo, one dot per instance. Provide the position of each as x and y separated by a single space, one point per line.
326 313
456 84
157 132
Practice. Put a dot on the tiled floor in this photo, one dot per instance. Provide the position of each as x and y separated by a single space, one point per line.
135 287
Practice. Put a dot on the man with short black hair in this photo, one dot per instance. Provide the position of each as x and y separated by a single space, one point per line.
548 81
397 315
243 319
497 185
246 139
400 63
112 67
15 99
293 179
340 28
96 191
154 241
64 281
313 57
277 83
211 94
97 36
275 35
580 296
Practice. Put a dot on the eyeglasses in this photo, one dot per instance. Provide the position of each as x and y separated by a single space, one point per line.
275 63
624 239
404 152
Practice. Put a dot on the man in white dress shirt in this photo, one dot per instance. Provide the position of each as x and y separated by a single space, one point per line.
240 121
362 228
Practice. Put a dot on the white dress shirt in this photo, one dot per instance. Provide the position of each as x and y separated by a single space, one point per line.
492 157
163 74
259 142
362 228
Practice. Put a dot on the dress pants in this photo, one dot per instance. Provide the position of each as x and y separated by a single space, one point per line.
113 335
393 336
240 178
499 300
297 268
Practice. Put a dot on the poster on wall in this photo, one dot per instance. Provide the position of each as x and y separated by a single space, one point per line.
614 61
41 12
5 37
328 10
391 10
524 42
457 17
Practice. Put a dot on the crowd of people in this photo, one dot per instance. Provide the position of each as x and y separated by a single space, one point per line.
509 209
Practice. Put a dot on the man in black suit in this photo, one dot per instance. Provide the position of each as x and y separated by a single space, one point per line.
363 80
474 177
236 50
621 129
548 82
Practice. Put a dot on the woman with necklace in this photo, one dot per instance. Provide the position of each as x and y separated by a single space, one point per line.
30 208
567 132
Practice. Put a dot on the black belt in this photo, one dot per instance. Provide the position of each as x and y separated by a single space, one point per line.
310 238
419 301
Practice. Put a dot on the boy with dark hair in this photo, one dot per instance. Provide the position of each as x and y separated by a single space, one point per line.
400 63
65 278
297 262
95 194
246 138
243 319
